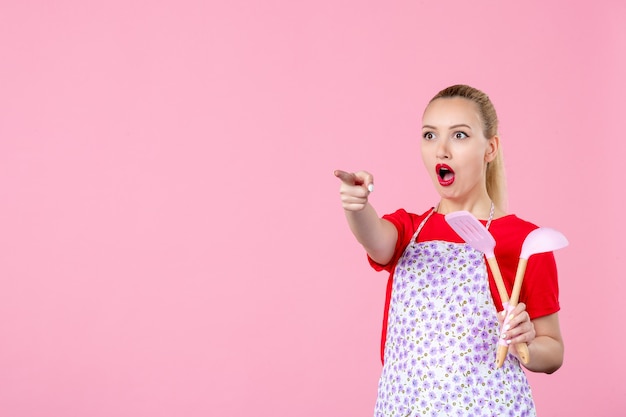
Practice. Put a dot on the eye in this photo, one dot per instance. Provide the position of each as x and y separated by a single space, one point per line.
460 135
428 135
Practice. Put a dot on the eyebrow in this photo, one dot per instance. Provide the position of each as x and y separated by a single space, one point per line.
451 127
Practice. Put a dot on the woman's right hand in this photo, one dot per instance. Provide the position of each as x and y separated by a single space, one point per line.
355 189
378 236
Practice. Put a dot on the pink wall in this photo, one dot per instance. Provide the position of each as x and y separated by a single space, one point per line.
171 238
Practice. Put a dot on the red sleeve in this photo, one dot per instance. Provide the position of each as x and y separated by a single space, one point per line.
540 289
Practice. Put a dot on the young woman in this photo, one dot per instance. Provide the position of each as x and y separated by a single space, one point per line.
441 328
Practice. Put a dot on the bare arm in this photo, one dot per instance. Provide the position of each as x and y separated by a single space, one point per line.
546 350
378 236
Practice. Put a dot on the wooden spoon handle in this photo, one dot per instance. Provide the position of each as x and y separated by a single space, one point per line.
501 355
497 277
522 351
522 348
504 298
519 278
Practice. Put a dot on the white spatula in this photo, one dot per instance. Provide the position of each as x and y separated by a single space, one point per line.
475 234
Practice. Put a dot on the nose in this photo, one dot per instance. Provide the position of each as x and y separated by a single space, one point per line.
443 150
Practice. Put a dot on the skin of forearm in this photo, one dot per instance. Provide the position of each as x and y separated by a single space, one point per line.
375 235
546 355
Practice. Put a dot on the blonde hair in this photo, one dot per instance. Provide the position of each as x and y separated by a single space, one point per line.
495 178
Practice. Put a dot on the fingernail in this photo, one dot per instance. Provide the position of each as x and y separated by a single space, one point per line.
503 336
508 342
506 327
370 188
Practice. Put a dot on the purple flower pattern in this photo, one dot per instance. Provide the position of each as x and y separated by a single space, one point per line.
442 335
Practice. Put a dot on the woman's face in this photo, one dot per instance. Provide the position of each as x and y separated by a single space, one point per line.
454 149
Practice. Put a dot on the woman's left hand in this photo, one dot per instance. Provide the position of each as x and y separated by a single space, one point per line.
518 328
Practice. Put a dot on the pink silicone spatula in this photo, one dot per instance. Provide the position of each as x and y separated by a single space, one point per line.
478 237
540 240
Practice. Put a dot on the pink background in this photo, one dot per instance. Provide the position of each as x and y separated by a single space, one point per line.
171 237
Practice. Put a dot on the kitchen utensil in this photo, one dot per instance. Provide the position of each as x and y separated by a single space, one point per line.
540 240
478 237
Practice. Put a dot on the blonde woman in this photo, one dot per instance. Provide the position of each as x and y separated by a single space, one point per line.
441 326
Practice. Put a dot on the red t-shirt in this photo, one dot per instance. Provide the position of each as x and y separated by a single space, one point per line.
540 290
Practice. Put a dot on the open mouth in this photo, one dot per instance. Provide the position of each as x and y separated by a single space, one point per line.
445 174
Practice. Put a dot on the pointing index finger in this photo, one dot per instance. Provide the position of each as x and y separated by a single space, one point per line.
348 177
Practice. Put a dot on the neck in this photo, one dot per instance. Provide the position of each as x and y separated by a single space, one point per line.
481 209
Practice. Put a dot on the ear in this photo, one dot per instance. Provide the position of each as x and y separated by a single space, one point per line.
492 149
